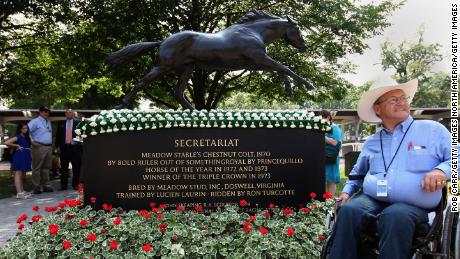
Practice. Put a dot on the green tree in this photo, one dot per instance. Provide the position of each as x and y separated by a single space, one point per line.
68 65
415 60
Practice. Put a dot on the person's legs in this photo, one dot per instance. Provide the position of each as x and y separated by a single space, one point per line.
37 163
46 167
18 181
352 218
64 168
396 229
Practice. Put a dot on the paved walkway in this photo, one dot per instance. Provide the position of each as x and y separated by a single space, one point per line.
12 208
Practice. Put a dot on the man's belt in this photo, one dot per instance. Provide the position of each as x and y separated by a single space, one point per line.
41 144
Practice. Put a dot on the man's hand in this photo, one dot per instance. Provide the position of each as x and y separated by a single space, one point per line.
434 180
344 196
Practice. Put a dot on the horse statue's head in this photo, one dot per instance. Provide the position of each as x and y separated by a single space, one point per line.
293 36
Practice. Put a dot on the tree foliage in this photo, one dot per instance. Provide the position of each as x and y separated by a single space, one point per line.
59 59
415 60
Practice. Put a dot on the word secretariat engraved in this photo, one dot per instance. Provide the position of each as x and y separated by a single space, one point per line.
210 167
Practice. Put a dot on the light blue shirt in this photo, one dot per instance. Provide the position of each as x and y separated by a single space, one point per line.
40 130
425 147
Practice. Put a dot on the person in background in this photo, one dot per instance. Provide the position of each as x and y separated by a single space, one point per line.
41 139
21 161
401 169
69 150
333 139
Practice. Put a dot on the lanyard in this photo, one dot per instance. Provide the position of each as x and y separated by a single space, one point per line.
381 149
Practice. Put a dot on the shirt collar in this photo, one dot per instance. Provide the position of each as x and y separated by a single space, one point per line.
403 125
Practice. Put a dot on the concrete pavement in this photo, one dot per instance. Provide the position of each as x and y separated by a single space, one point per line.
12 208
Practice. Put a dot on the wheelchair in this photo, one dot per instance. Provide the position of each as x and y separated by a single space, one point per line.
441 239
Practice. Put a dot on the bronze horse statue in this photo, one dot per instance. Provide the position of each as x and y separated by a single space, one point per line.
240 46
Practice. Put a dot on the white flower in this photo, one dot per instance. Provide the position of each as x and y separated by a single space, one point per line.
84 136
143 119
123 120
133 119
103 123
131 128
78 132
102 131
113 121
328 128
109 130
308 126
292 125
93 124
115 129
147 126
252 125
123 128
93 133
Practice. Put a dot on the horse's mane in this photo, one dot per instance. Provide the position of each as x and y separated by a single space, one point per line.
256 15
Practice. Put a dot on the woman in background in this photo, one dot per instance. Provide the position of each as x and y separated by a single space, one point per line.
22 160
333 139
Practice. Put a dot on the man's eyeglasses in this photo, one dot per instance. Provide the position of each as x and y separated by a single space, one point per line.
395 100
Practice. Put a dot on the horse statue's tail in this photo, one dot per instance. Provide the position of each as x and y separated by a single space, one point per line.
128 53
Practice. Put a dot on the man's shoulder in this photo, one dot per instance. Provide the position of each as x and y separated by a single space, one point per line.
429 124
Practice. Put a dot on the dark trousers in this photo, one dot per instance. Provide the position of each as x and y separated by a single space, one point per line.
70 154
396 227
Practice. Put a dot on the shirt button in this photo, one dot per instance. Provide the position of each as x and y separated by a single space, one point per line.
389 187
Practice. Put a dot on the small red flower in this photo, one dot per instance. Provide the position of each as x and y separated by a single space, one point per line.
61 205
36 218
147 247
35 208
314 205
145 214
80 187
246 224
117 221
328 195
271 206
163 225
91 237
152 204
290 232
306 210
263 231
69 217
162 206
21 218
174 237
113 245
53 228
159 216
198 208
266 214
247 229
321 237
66 244
72 203
83 222
288 211
155 210
180 208
243 203
162 230
51 209
93 199
252 218
21 226
312 195
106 207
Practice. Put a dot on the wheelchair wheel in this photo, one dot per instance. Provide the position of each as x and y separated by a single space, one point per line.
447 233
326 249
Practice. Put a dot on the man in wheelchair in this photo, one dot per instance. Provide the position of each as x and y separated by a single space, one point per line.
403 169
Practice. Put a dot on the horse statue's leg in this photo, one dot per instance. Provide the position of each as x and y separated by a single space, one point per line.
180 87
267 62
152 75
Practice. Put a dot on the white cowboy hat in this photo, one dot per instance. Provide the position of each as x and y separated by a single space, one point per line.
365 110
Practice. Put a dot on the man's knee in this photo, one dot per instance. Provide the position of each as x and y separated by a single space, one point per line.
402 215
